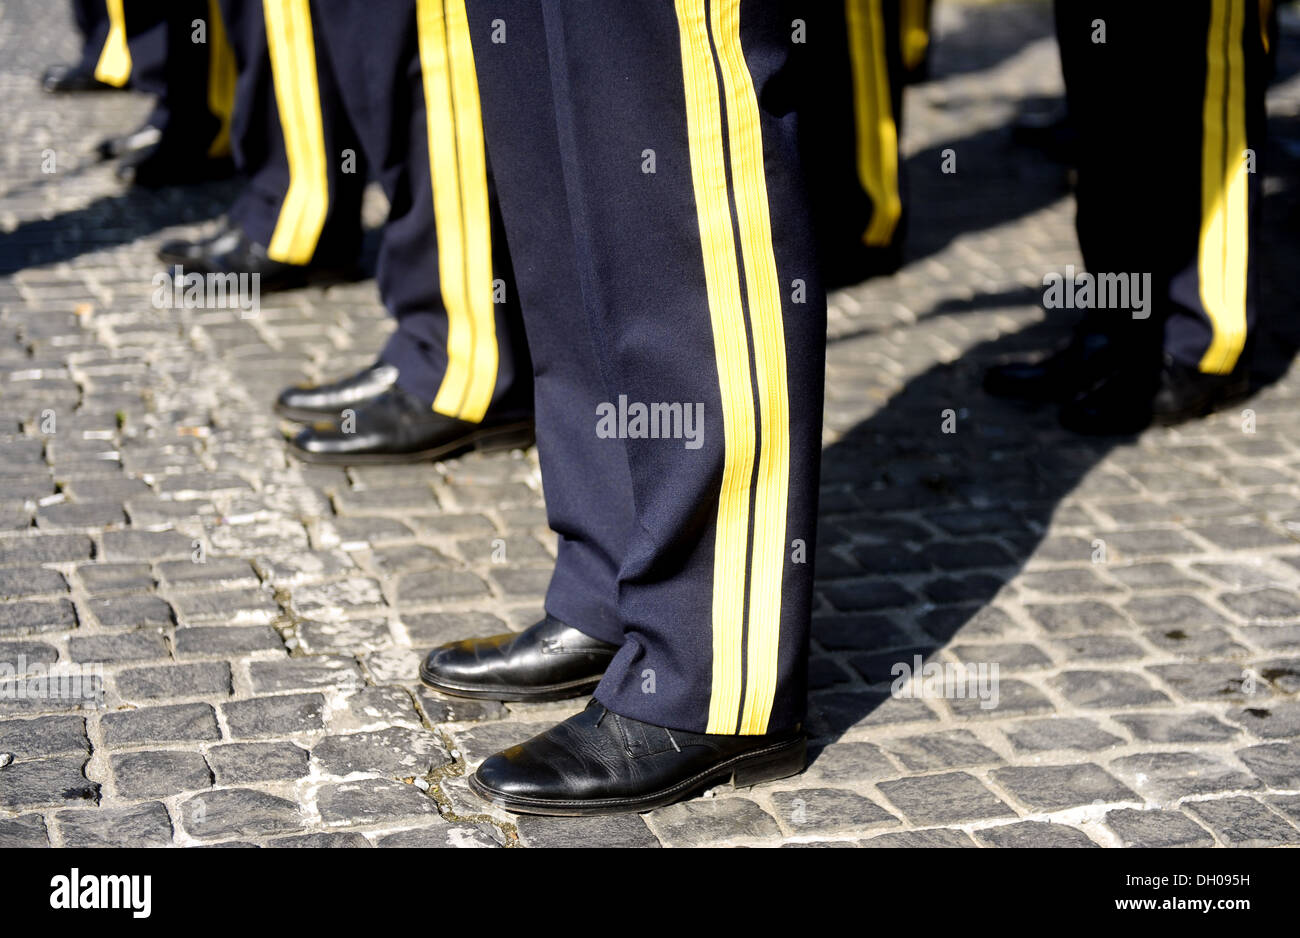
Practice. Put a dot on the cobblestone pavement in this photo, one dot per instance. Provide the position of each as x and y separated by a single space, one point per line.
1140 598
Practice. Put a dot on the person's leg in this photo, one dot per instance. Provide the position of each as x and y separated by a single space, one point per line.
588 486
700 286
1184 219
851 58
457 350
298 216
178 51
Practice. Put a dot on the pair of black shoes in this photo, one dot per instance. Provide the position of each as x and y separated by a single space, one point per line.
596 762
368 418
1107 389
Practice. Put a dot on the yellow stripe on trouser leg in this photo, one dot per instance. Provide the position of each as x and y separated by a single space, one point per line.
458 171
877 133
221 79
914 31
114 65
731 353
477 225
1265 16
297 96
764 295
1225 192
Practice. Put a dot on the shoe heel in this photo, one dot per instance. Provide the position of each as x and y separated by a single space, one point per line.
768 767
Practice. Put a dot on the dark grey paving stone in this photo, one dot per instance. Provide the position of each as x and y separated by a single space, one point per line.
238 812
1168 776
45 548
1033 834
372 801
130 611
618 831
44 736
274 716
1196 642
1157 829
1109 689
1013 698
945 750
242 763
1208 680
18 582
1264 605
1017 656
53 782
115 577
444 835
939 837
812 811
1245 822
269 677
395 751
20 656
222 641
1276 764
849 762
1060 733
1279 720
225 572
114 649
28 616
159 774
173 723
1176 727
950 798
1073 617
1057 787
707 821
143 825
202 679
328 841
25 831
244 606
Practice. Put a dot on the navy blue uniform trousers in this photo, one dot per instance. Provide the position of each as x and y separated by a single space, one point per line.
668 146
339 90
176 50
1169 106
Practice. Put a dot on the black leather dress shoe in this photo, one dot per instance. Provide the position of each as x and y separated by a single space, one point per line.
1089 357
230 251
1130 400
598 762
64 78
398 427
327 401
547 661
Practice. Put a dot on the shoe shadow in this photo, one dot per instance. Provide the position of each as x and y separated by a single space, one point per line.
110 221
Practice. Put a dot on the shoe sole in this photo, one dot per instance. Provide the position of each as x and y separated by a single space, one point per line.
781 760
548 692
489 440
